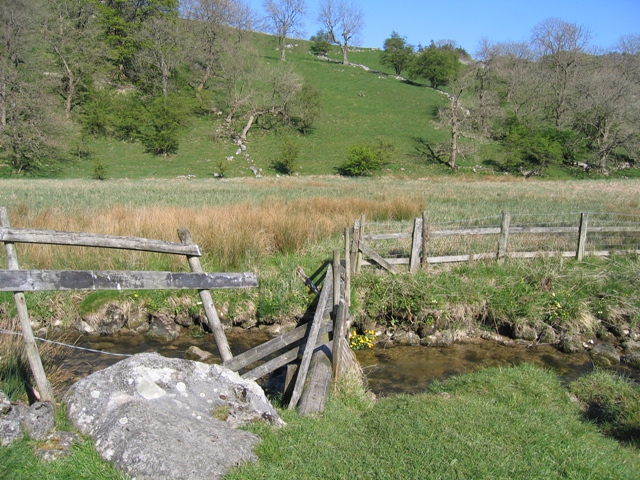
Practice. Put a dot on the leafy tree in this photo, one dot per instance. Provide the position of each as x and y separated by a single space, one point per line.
284 18
343 21
121 19
166 117
437 66
321 43
397 54
306 107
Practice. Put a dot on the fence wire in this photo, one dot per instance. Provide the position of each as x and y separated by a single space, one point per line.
547 243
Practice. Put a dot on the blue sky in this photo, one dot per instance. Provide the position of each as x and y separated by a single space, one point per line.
467 22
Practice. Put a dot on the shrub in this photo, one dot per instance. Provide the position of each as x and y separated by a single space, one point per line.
366 160
99 171
289 153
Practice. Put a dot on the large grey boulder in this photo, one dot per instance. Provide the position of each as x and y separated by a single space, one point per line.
158 418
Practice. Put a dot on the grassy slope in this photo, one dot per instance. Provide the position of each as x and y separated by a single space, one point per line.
358 106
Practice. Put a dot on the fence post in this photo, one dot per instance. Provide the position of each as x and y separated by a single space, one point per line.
425 239
207 303
347 268
416 244
336 281
504 236
582 235
31 349
355 245
363 220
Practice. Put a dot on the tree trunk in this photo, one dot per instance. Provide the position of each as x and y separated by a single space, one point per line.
205 77
71 87
344 49
454 132
245 130
283 47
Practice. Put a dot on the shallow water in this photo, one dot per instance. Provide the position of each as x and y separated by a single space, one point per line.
388 370
411 369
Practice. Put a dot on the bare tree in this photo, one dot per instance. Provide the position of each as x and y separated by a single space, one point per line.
456 115
162 50
214 24
607 108
559 46
69 29
285 19
343 21
15 20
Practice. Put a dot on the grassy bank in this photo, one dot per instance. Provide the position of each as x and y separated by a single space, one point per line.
498 423
516 422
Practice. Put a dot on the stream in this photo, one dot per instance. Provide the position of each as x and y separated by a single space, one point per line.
389 370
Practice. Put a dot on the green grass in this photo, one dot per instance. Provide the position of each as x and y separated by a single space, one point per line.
498 423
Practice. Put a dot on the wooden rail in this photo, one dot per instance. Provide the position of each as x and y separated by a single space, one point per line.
423 234
16 280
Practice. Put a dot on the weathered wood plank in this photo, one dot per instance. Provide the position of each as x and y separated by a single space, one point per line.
391 261
207 302
339 337
54 237
32 280
416 245
465 231
278 343
286 358
364 248
311 339
540 254
461 258
31 349
388 236
315 396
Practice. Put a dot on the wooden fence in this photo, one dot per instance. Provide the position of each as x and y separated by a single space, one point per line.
574 242
13 279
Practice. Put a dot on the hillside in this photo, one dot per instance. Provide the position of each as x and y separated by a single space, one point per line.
358 106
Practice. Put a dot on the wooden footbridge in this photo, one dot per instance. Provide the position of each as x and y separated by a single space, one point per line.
321 344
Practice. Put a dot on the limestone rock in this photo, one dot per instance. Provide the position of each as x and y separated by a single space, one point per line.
604 355
10 428
403 337
524 332
39 420
197 354
162 327
106 321
5 403
133 408
56 446
570 344
632 359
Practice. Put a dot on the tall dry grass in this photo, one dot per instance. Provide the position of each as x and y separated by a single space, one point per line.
15 374
234 235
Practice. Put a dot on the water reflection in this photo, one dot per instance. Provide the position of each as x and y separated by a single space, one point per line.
411 369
